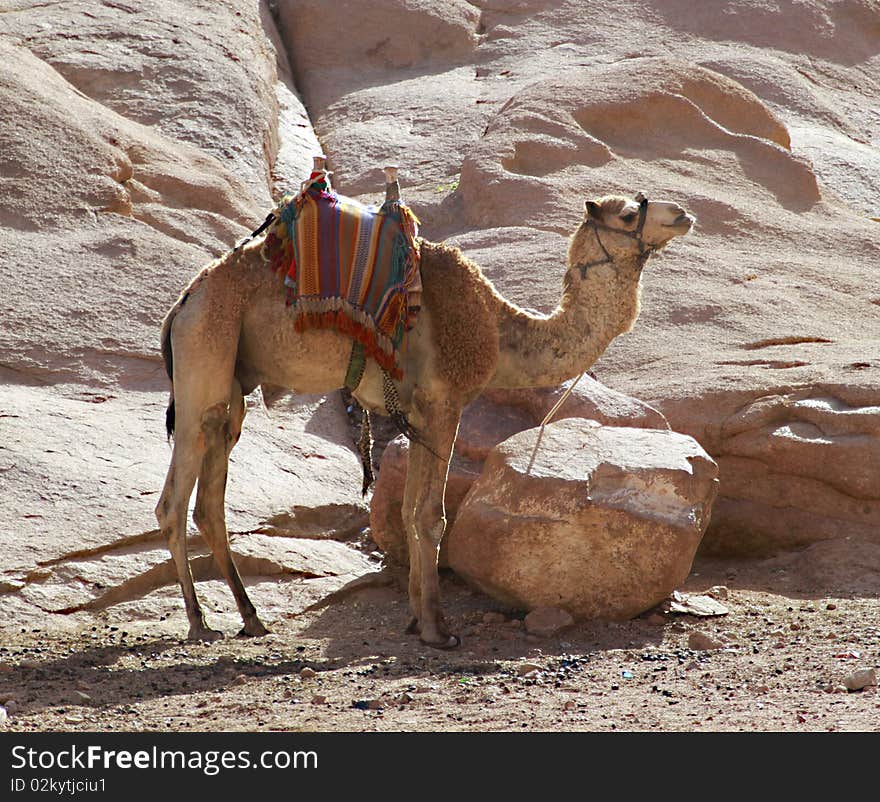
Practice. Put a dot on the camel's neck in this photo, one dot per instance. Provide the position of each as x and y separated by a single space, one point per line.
545 351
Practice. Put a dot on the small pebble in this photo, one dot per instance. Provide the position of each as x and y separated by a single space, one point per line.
859 679
524 669
701 642
11 706
308 673
367 704
317 699
3 715
405 699
79 697
718 592
547 621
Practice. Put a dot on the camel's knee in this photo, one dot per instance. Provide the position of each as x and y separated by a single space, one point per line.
222 423
409 522
436 530
163 511
215 418
429 522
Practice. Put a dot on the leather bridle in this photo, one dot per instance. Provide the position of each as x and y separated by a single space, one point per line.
636 234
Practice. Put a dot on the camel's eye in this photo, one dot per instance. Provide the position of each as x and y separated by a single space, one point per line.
628 217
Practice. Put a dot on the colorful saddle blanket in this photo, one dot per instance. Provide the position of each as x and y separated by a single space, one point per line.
349 267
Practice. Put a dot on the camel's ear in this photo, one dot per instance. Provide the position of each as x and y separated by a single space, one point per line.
593 209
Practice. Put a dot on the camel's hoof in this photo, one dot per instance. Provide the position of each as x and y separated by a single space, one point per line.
451 642
253 629
204 634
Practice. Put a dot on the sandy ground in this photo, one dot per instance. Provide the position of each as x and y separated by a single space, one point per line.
782 661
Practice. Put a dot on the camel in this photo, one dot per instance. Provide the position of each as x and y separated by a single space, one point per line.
230 331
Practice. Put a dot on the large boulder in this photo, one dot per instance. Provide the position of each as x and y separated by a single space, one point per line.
600 521
485 423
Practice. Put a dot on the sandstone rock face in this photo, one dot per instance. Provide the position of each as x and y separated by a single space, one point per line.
602 522
796 469
137 142
82 473
488 421
762 125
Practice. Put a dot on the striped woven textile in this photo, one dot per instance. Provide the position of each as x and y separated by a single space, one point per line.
349 267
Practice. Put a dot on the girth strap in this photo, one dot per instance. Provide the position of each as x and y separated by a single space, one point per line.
357 362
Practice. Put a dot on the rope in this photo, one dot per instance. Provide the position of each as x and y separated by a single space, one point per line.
548 417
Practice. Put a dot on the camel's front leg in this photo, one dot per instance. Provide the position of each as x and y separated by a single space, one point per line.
424 516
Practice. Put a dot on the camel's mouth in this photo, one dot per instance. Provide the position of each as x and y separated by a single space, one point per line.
683 222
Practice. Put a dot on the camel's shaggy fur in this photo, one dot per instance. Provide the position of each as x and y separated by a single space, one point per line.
230 331
463 306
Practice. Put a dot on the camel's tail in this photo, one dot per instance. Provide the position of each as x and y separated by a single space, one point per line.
168 358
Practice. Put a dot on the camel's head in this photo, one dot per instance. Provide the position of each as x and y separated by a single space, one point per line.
615 228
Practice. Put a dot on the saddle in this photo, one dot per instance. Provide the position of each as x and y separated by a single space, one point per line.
348 267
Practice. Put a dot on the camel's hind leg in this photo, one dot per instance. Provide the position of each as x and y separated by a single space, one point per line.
171 514
201 336
221 435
